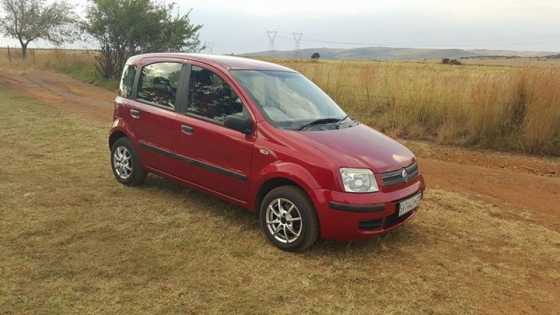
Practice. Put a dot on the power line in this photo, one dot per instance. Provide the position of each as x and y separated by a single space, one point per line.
335 42
463 43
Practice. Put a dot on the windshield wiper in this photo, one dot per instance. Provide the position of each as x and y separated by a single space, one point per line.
321 122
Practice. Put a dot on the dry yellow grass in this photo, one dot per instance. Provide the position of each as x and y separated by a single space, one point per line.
514 106
509 107
75 241
77 63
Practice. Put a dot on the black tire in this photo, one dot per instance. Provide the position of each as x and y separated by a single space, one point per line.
309 222
137 174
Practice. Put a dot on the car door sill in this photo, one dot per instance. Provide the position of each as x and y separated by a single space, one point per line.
197 163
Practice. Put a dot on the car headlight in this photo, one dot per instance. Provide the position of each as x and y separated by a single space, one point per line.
358 180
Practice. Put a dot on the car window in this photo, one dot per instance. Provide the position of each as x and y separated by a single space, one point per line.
211 97
158 83
127 81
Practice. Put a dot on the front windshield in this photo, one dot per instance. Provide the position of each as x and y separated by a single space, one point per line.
288 99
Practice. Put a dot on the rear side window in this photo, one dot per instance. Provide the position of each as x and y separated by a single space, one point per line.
158 83
211 97
127 81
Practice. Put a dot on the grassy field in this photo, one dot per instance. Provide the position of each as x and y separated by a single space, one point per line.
505 108
75 241
79 64
513 105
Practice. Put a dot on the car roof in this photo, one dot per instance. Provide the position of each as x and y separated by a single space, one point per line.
226 62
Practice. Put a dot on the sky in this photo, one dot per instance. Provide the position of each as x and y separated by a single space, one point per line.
240 26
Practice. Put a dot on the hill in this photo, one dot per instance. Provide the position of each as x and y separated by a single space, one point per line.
389 53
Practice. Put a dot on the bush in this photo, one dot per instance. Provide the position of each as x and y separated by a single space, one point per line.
447 61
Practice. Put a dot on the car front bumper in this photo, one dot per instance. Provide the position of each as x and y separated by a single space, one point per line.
348 216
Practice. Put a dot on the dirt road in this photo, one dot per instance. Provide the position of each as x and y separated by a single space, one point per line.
63 92
507 180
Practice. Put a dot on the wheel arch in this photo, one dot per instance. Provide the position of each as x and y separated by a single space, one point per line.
286 174
115 135
271 184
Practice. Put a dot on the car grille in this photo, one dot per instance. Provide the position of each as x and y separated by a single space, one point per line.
395 177
394 219
371 224
386 223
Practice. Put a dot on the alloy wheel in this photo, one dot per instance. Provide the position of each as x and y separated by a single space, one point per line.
122 162
284 220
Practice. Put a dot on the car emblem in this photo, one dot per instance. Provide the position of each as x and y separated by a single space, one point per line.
404 174
264 151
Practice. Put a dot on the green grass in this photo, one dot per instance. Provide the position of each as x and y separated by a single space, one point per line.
80 67
73 240
86 73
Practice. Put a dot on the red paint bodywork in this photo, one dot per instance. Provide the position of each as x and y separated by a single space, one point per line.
309 159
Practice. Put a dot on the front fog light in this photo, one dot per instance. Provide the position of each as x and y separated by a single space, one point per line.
358 180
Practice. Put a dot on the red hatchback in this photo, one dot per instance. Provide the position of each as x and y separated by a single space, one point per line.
264 137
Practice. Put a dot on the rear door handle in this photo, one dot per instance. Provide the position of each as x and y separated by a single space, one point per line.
186 129
134 113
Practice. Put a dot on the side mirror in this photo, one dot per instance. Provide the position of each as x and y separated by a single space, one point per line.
241 124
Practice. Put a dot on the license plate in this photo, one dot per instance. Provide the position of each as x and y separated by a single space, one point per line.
409 204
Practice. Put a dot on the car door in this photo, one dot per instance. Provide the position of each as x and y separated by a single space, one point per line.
221 156
155 115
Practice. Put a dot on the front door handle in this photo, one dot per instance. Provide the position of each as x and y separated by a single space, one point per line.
134 113
186 129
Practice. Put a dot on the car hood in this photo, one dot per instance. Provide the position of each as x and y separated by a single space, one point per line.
359 146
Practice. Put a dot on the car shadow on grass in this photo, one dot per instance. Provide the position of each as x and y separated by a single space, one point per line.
201 200
247 220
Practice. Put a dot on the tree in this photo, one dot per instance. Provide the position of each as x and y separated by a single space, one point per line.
28 20
315 56
124 28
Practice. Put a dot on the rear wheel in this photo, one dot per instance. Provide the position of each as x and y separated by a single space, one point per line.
126 164
288 219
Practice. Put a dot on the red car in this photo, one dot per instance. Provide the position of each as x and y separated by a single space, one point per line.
263 137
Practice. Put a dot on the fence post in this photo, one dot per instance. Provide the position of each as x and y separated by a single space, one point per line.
9 55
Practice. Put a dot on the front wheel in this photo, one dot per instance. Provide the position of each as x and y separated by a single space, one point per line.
288 219
126 164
